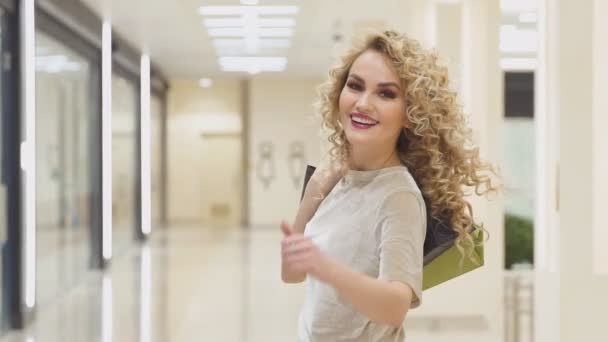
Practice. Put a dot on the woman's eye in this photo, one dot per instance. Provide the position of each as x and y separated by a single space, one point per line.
388 94
353 86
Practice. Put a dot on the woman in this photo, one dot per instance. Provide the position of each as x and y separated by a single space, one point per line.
398 137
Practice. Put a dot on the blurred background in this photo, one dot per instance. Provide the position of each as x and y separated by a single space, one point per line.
151 148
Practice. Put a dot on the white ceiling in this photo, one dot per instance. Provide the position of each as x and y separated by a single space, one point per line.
173 33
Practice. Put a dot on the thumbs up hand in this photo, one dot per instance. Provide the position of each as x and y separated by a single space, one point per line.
301 255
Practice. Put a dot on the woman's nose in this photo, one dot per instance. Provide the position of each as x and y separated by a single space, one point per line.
364 104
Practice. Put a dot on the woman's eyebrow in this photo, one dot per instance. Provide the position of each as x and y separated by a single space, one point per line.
381 84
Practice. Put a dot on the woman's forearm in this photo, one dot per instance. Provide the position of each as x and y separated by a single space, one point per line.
320 184
308 206
382 301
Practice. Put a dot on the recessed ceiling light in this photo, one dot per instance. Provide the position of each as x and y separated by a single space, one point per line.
205 82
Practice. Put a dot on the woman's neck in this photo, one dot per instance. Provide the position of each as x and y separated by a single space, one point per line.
367 160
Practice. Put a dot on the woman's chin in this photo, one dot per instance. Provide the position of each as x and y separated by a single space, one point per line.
358 138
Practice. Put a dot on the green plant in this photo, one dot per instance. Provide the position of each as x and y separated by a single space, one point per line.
519 240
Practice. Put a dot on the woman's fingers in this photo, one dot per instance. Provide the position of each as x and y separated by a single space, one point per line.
300 263
286 229
298 252
294 239
295 248
298 257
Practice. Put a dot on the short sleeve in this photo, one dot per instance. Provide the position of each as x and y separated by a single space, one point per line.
401 230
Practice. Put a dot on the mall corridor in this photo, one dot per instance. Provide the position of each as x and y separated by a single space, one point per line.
150 149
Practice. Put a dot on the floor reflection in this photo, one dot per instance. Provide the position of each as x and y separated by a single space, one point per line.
189 284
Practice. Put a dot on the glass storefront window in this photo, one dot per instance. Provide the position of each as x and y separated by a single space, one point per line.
63 196
124 118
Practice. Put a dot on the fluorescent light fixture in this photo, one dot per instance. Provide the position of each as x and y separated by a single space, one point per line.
514 40
224 22
276 22
227 32
106 142
256 22
252 65
241 32
28 149
263 43
205 82
145 300
240 10
228 42
256 48
518 64
275 43
528 17
146 165
249 2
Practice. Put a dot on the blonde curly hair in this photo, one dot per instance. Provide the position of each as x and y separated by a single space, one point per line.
437 148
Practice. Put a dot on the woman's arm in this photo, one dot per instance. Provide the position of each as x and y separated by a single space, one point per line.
382 301
320 184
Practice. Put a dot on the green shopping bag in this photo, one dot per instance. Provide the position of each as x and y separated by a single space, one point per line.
451 264
442 259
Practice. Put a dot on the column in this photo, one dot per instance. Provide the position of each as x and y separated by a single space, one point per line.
573 82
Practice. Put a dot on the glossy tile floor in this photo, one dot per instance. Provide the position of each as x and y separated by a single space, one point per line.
189 284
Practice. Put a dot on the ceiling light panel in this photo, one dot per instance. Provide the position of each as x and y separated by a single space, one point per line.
244 32
241 32
253 64
242 10
256 22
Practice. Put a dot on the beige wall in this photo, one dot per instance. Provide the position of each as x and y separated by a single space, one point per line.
204 171
204 152
281 113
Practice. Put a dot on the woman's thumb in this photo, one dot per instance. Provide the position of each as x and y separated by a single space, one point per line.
285 228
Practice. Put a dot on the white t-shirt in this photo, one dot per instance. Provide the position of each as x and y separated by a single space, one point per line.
375 223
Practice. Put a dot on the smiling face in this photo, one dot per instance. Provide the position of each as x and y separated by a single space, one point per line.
372 103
